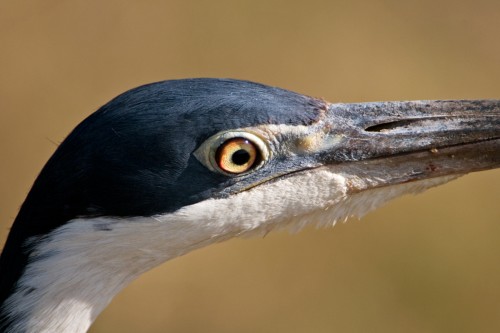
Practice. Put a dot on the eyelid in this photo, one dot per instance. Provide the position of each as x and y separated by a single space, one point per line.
207 150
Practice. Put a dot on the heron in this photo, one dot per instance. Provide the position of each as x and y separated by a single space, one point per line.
173 166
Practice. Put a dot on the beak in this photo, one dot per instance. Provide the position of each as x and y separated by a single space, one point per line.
407 141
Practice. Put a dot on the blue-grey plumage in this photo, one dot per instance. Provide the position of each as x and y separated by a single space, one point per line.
172 166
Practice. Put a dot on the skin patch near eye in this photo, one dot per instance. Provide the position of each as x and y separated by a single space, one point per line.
310 142
302 139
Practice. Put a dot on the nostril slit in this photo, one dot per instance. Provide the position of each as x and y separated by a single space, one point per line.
401 124
391 125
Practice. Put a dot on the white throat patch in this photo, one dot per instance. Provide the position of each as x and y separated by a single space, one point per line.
78 268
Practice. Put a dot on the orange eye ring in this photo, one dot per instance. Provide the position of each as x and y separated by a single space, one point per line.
237 155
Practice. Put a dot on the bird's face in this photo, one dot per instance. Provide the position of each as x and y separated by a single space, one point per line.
256 156
173 166
435 137
236 157
160 148
352 158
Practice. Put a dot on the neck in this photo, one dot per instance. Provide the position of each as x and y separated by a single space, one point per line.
74 271
67 283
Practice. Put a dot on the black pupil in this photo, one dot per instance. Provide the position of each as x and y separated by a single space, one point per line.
240 157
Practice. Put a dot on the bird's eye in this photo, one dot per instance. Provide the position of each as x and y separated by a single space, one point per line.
233 153
237 155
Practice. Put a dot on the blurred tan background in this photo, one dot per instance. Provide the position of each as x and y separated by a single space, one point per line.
429 263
